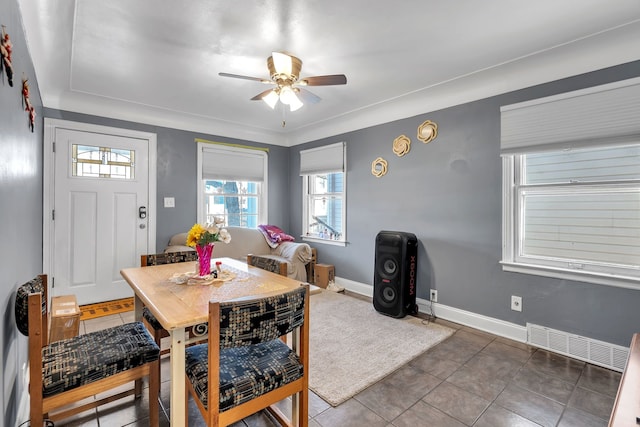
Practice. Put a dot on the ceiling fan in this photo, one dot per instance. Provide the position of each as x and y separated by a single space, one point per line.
284 70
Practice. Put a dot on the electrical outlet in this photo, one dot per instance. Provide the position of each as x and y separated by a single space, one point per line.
433 295
516 303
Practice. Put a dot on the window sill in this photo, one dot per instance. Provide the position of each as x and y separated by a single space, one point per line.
324 241
568 274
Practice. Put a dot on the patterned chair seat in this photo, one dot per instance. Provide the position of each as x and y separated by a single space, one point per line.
70 363
245 372
149 317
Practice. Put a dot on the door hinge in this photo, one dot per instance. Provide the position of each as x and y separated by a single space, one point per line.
53 214
54 146
53 282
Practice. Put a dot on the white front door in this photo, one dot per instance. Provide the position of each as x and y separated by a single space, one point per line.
100 212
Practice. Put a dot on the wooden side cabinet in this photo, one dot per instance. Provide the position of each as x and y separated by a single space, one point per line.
626 408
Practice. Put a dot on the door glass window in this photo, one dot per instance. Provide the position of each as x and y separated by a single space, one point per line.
102 162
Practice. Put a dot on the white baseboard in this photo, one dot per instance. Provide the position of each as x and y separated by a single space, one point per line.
462 317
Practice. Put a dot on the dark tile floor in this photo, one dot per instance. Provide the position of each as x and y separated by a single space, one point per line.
471 379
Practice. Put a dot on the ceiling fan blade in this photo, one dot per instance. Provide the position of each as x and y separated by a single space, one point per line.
307 97
282 63
261 95
334 79
238 76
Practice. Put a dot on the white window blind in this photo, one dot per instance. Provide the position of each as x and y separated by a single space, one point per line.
326 159
590 117
229 163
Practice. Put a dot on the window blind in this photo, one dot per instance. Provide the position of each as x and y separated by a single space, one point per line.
606 114
233 164
326 159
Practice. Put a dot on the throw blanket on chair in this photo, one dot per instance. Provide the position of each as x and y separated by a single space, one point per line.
274 235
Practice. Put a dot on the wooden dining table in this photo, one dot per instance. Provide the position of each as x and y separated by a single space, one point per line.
180 302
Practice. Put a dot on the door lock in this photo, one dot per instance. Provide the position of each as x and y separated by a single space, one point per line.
142 212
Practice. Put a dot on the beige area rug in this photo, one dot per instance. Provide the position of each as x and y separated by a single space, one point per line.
351 345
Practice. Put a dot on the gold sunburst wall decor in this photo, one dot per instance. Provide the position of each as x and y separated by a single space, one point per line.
427 131
379 167
401 145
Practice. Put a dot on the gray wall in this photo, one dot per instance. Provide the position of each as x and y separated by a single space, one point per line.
20 207
448 193
176 169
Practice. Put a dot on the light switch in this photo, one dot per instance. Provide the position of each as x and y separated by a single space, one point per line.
169 202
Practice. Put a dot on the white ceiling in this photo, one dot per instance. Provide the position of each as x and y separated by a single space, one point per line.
157 61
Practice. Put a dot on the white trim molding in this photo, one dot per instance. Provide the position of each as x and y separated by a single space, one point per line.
477 321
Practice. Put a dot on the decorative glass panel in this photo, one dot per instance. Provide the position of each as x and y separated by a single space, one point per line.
102 162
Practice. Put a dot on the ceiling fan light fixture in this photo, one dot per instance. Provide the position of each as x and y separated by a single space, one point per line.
295 103
287 95
284 67
271 99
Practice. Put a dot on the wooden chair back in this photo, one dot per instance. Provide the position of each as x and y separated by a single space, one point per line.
269 264
168 258
241 323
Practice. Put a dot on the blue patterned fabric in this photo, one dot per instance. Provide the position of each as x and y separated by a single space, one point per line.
255 321
253 360
81 360
149 317
245 372
22 303
172 257
269 264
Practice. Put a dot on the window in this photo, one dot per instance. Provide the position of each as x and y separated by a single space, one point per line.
322 170
571 207
102 162
235 201
232 185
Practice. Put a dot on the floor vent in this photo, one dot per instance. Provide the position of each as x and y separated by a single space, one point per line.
589 350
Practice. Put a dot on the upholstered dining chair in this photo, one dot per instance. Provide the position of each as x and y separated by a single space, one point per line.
65 372
269 264
149 320
244 367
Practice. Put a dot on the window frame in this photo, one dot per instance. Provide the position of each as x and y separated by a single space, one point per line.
239 151
512 232
307 201
322 160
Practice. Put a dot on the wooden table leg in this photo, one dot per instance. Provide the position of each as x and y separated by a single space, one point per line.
178 397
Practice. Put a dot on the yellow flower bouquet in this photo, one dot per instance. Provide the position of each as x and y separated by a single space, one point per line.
202 238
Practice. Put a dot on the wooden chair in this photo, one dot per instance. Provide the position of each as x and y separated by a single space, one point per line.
67 371
269 264
149 320
168 258
244 367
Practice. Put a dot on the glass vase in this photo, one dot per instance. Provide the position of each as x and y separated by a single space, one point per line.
204 259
